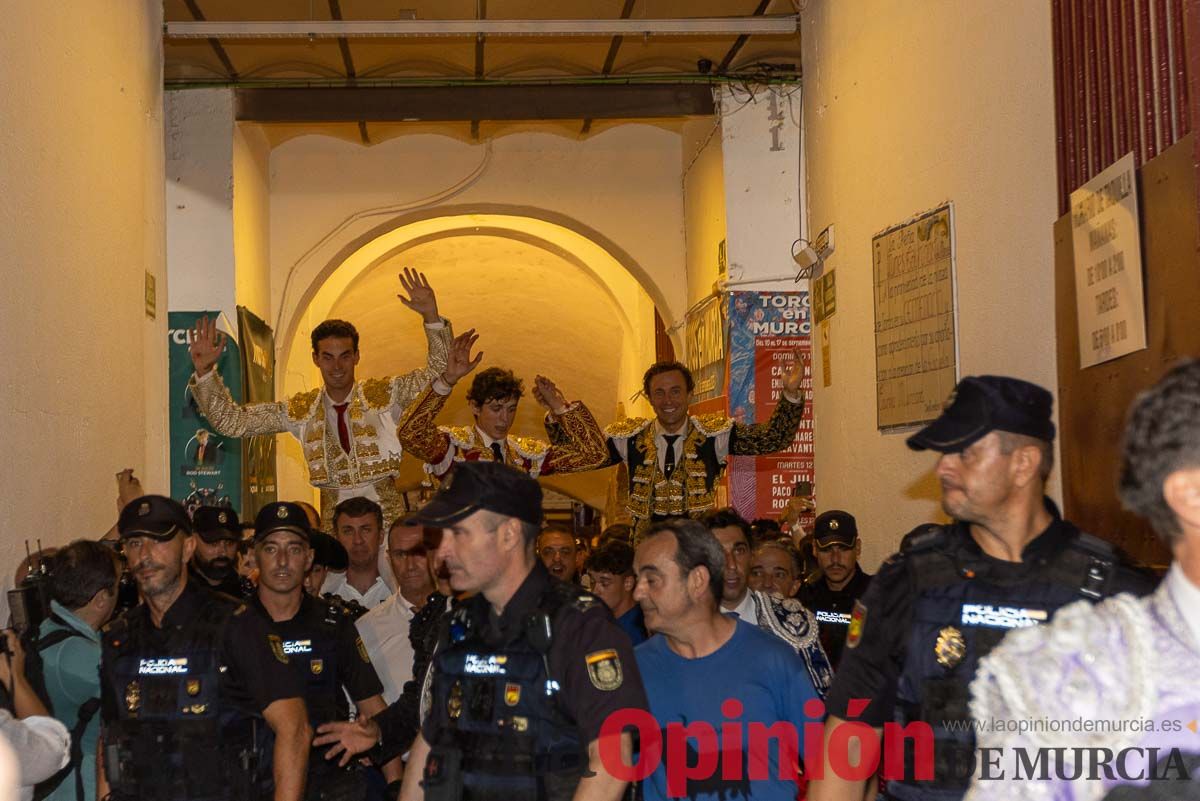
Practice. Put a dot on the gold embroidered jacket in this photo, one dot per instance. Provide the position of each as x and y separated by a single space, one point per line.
707 442
581 444
375 406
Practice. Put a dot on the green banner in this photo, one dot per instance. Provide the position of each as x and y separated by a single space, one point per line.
206 468
258 377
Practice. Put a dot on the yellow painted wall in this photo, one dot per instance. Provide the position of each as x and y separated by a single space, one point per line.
907 105
703 204
82 216
252 218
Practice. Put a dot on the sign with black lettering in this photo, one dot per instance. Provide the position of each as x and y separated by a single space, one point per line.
916 347
1106 235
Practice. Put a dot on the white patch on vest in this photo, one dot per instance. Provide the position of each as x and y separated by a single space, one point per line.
484 665
297 646
160 667
840 618
1001 617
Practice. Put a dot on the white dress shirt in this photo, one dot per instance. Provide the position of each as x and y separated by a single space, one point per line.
384 632
376 594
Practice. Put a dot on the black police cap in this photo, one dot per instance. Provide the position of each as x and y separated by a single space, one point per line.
835 527
328 551
281 516
154 516
482 486
986 403
213 523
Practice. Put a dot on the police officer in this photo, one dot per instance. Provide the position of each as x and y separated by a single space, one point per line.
214 563
320 641
836 547
952 592
189 678
526 670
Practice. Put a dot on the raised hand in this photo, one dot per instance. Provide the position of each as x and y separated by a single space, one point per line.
548 395
128 488
458 360
421 298
793 379
206 345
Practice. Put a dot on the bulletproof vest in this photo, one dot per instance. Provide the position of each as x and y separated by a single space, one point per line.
174 736
501 730
963 606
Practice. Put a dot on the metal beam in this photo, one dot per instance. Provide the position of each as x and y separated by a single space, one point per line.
466 103
610 59
775 25
213 41
740 42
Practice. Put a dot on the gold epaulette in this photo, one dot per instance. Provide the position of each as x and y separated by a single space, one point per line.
623 429
300 405
529 447
459 435
712 424
377 392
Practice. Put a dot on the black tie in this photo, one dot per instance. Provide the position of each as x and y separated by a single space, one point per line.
669 461
499 454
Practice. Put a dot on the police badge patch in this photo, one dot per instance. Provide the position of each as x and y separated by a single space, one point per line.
133 696
193 687
277 648
604 669
512 694
317 666
362 650
858 619
950 647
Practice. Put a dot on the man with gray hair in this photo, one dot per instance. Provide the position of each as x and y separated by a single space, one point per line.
680 567
1128 665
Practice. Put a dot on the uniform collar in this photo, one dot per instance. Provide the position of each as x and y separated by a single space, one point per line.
525 600
486 440
1049 542
306 604
186 606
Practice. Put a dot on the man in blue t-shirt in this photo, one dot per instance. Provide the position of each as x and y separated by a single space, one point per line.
83 590
717 685
610 567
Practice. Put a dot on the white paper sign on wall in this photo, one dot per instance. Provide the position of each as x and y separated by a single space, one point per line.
1106 235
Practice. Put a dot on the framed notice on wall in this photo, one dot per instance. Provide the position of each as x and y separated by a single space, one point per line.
916 344
1107 243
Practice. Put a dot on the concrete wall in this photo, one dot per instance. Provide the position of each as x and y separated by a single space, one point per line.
904 110
82 215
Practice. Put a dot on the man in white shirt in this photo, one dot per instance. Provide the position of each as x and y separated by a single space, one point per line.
358 524
384 630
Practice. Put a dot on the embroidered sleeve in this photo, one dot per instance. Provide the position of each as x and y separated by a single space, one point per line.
235 420
404 389
774 435
417 432
583 446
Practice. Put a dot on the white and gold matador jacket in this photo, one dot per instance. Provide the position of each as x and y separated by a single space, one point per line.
376 405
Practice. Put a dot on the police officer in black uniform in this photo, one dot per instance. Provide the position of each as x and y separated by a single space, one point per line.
526 670
952 592
214 564
320 641
835 546
194 688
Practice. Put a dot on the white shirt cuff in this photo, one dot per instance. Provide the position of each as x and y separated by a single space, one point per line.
798 398
206 377
440 386
439 325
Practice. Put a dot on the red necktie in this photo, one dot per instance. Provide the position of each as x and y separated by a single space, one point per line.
343 431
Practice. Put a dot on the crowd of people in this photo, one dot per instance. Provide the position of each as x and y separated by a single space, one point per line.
466 649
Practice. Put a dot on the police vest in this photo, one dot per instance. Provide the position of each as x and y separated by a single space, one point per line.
501 730
960 612
175 737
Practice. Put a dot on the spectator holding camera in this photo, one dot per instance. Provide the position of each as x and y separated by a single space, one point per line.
83 594
40 743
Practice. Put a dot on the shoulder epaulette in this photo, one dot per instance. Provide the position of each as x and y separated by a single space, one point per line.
300 405
459 435
529 447
712 424
623 429
924 537
377 392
